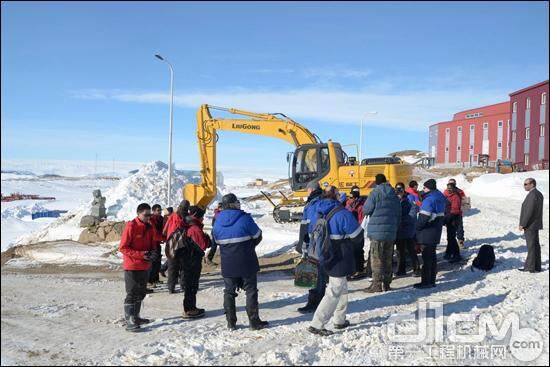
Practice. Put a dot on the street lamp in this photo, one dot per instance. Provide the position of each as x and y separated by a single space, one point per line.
171 125
361 134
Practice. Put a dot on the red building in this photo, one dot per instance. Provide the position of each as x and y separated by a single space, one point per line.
471 136
529 127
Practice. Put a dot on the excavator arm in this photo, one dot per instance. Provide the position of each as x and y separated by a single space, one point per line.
273 125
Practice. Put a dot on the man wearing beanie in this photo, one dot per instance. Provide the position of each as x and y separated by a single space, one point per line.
237 236
428 231
316 294
384 209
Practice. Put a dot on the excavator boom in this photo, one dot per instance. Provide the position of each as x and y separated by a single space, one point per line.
273 125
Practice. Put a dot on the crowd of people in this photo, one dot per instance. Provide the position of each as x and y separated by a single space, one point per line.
398 219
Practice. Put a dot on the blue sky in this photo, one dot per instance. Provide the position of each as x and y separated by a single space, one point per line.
80 79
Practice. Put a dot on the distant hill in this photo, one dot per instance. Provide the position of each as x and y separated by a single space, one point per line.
409 156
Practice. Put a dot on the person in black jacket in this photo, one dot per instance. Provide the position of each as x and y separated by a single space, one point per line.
530 222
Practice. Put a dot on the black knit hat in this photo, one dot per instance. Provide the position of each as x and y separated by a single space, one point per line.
430 184
380 179
196 211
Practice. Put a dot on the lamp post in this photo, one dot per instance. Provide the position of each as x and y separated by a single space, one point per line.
171 125
361 134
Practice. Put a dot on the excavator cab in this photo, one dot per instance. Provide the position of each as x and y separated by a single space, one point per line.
311 162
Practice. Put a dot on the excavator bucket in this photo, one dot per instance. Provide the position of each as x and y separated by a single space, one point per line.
197 195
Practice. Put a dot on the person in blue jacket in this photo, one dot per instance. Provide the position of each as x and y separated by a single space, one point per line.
384 210
306 225
406 233
338 261
237 236
428 231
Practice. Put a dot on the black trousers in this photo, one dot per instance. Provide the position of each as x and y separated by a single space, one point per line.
406 247
155 266
175 271
533 261
452 249
192 266
460 228
429 266
135 282
250 286
212 252
359 253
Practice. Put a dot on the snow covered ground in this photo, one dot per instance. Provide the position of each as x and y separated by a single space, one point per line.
40 311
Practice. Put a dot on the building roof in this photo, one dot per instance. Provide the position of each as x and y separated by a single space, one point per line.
529 87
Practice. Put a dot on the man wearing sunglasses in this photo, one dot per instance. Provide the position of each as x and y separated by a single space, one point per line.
530 222
137 246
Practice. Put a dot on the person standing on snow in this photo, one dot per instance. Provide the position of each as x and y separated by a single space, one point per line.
355 205
460 219
530 222
136 245
414 195
156 221
237 236
405 242
315 295
453 215
173 232
338 261
428 231
384 209
193 252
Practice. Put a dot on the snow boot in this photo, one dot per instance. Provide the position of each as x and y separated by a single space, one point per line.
342 326
386 287
312 302
130 317
423 285
258 324
139 320
321 332
374 288
193 314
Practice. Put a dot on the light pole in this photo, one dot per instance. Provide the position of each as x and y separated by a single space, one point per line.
171 125
361 134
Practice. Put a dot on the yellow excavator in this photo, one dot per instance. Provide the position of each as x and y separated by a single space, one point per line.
312 159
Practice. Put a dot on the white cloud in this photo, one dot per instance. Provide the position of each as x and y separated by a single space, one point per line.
410 110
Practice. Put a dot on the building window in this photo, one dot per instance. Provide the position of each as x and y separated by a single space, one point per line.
527 131
459 129
447 130
526 159
472 127
471 147
500 124
446 149
485 125
528 103
499 144
513 136
541 131
543 98
458 148
514 107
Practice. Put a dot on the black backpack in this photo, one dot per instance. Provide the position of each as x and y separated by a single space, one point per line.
485 259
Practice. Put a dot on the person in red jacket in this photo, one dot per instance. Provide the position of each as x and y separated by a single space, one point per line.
460 223
157 223
175 265
453 213
197 243
412 190
136 245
